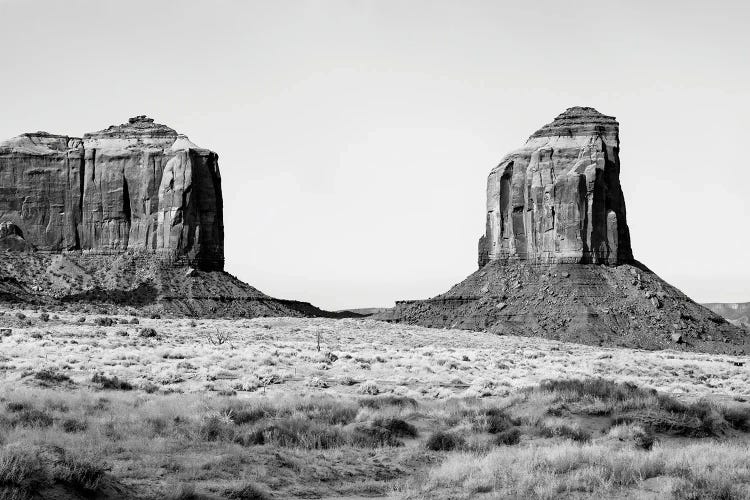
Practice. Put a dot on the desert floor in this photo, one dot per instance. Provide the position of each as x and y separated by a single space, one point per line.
318 408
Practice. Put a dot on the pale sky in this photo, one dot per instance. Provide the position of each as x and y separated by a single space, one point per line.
355 137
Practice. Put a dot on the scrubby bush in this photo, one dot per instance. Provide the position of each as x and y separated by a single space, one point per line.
51 376
215 428
369 436
147 333
149 387
444 441
134 321
370 387
300 432
104 321
316 382
73 425
574 433
564 431
318 425
16 406
598 388
656 412
381 402
493 420
396 426
31 417
78 472
508 437
250 415
327 410
20 470
644 439
111 383
738 418
347 380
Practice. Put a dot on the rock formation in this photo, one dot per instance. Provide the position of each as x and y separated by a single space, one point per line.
130 217
555 260
11 238
558 198
136 186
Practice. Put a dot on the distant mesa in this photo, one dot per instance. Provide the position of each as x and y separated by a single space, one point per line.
129 216
738 313
556 261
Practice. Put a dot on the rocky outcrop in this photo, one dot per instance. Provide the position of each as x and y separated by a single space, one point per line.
125 219
138 186
11 238
558 198
556 261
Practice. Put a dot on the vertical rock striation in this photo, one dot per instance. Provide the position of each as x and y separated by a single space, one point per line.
139 186
558 198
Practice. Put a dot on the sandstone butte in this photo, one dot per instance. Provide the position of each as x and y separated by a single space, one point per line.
556 261
136 186
130 216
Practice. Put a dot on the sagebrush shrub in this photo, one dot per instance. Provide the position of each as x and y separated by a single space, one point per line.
73 425
104 321
111 383
508 437
51 376
444 441
396 426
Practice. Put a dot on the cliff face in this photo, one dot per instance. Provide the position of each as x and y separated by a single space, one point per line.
558 198
136 186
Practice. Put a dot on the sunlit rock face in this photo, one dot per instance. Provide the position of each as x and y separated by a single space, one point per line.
558 198
139 186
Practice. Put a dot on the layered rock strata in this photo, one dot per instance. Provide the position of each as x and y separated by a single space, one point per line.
139 186
556 262
558 198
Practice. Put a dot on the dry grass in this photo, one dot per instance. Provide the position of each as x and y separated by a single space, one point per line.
704 470
264 413
357 357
